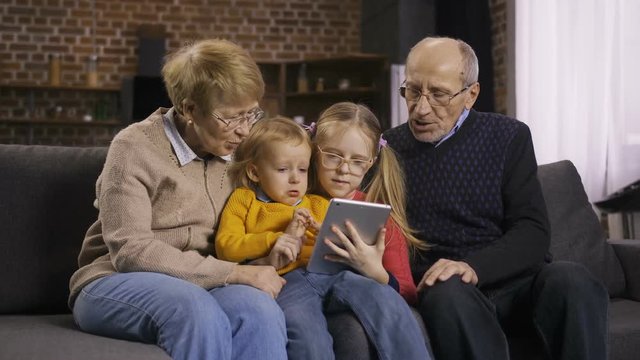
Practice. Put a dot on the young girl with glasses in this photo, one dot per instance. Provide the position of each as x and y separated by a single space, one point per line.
270 220
348 140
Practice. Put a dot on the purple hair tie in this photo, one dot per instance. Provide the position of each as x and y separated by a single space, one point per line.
381 143
311 128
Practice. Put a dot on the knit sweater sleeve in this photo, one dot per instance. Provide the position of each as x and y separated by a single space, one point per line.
237 239
396 261
525 240
125 203
395 258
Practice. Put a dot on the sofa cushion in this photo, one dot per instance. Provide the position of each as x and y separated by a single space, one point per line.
47 197
356 345
624 329
56 337
576 233
628 251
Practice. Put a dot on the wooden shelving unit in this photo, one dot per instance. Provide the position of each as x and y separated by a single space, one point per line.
367 75
59 87
102 103
56 115
63 121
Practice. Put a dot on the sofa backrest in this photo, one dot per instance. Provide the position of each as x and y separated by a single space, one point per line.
576 233
46 207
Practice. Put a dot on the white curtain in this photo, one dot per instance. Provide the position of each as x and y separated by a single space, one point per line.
577 83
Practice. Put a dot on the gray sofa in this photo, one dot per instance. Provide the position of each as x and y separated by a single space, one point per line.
46 206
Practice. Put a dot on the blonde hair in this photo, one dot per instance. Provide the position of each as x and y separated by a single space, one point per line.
264 133
387 183
211 72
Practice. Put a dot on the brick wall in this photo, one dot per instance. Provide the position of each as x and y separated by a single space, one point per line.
273 29
30 30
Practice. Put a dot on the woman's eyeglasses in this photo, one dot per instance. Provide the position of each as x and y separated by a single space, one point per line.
250 118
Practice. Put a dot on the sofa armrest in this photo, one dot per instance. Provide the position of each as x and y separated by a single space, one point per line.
628 252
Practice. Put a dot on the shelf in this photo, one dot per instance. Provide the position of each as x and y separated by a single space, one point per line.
367 74
41 101
354 57
59 87
65 122
334 92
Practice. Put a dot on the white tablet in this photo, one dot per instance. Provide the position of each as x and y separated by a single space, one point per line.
368 218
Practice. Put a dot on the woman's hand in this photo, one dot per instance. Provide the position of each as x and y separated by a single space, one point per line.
366 259
264 278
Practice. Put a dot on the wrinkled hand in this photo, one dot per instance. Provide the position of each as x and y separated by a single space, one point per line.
366 259
284 251
301 221
264 278
443 269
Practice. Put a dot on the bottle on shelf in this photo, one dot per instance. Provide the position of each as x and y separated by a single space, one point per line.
54 69
303 85
92 70
320 85
344 84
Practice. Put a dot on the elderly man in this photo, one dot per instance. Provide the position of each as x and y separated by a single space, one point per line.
473 195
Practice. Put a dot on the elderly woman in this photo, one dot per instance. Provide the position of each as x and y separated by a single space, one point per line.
147 271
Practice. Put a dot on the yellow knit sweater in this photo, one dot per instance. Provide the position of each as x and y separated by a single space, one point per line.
249 227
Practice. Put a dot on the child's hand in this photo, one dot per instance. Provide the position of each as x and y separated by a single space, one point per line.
286 249
302 219
366 259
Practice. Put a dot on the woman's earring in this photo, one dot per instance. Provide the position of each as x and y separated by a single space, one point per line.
189 122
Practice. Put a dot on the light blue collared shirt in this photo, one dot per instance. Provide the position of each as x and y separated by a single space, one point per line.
183 152
461 120
261 195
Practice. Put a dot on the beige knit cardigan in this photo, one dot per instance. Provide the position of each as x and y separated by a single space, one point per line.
154 215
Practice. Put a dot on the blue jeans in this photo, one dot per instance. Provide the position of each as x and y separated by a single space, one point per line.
385 316
187 321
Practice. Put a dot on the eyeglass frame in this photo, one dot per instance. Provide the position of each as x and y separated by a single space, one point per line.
403 89
344 161
257 113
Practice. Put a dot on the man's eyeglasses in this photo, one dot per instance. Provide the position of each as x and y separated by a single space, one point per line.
437 98
250 118
333 161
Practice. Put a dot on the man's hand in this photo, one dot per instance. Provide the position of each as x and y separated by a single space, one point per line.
443 269
285 250
264 278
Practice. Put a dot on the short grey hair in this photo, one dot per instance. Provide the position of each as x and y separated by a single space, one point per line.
469 63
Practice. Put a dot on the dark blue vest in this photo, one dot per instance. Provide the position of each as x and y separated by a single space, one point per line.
455 190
